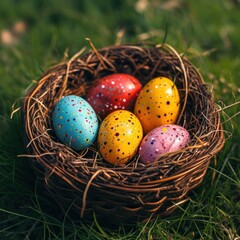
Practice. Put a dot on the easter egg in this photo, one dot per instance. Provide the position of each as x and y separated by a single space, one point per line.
75 122
161 140
119 136
158 103
113 92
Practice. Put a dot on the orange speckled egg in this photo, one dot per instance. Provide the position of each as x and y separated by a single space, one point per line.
119 136
158 103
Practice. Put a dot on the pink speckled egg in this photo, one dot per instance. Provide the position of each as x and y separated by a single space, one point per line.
113 92
164 139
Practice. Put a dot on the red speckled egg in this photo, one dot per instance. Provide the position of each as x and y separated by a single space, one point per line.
119 136
158 103
164 139
113 92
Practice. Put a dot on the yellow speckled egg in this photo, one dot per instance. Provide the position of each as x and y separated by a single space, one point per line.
119 136
158 103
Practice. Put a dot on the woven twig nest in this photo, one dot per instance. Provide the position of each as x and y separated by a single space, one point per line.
83 181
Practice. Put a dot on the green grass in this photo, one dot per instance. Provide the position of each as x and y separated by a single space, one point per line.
207 31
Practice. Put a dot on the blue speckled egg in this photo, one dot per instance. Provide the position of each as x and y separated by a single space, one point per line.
75 122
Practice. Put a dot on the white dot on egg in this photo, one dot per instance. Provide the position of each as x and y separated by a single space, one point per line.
169 91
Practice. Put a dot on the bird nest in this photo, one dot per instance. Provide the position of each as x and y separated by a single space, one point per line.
82 180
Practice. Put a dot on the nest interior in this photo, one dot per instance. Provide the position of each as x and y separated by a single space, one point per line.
83 181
